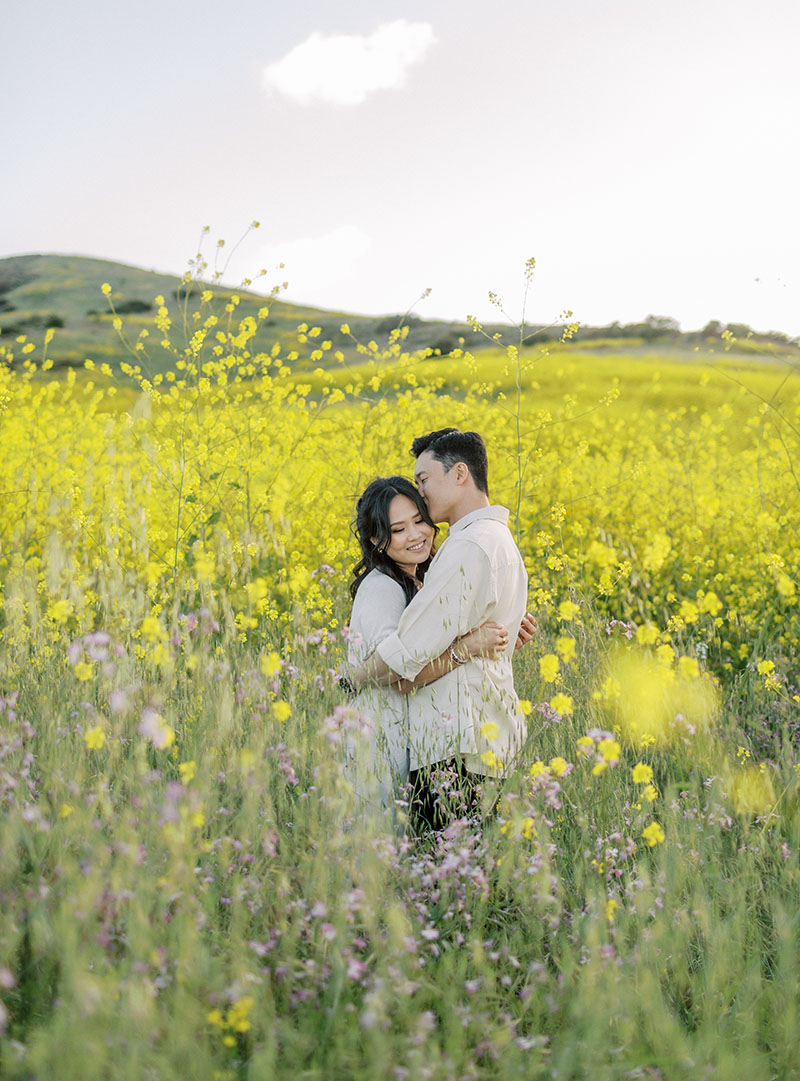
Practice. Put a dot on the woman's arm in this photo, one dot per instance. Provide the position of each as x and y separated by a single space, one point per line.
488 640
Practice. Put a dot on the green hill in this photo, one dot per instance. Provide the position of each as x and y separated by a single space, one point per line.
63 292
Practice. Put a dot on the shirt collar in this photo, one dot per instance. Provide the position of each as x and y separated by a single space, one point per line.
495 513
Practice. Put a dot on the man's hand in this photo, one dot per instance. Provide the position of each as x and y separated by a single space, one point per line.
488 640
527 629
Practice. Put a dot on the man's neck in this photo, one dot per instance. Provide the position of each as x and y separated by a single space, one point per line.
467 505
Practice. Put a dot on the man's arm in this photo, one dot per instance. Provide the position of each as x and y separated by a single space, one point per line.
487 640
454 600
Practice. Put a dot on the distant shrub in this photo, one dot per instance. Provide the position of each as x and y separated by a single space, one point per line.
37 321
445 345
132 307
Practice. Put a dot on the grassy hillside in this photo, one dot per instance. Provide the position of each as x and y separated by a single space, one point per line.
64 292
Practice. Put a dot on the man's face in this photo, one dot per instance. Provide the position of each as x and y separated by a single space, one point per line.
436 486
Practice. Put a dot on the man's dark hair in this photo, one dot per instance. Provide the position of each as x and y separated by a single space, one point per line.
449 445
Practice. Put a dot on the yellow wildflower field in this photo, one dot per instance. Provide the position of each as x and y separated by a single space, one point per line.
663 490
188 888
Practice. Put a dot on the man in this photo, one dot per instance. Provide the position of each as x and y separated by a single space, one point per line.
474 725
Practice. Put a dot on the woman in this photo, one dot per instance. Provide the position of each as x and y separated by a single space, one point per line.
396 537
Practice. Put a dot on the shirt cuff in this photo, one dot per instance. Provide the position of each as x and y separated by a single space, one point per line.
392 651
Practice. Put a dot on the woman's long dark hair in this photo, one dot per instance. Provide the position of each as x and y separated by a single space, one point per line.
374 534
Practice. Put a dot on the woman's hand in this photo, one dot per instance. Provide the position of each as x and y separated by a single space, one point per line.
351 678
488 640
527 630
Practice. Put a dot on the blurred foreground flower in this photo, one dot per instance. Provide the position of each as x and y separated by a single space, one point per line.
561 704
751 791
600 747
83 671
153 727
270 665
653 834
642 773
188 771
651 703
282 711
567 611
95 738
548 667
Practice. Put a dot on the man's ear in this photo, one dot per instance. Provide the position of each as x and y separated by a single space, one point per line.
462 472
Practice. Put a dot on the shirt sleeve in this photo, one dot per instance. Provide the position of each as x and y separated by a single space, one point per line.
453 601
377 608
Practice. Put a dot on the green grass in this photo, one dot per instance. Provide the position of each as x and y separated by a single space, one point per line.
246 920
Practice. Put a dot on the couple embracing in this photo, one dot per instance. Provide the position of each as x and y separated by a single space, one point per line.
432 632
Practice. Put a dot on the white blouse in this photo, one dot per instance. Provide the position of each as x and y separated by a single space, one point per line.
382 768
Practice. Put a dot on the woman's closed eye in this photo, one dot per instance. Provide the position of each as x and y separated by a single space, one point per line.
402 528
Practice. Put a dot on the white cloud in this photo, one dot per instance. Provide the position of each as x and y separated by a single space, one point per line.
312 264
344 69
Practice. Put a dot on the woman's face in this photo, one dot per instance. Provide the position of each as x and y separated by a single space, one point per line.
411 538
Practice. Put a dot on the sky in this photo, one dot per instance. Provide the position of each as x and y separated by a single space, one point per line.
645 154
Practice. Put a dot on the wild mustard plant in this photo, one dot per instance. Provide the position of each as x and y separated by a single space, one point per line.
188 888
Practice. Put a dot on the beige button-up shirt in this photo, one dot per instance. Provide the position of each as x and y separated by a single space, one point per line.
476 575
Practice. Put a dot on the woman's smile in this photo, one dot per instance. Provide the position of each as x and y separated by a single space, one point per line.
410 537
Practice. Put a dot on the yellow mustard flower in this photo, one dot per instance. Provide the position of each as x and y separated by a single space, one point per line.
642 773
565 648
282 711
188 771
95 738
270 665
654 834
549 666
561 703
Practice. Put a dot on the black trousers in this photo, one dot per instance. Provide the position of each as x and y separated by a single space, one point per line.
440 793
